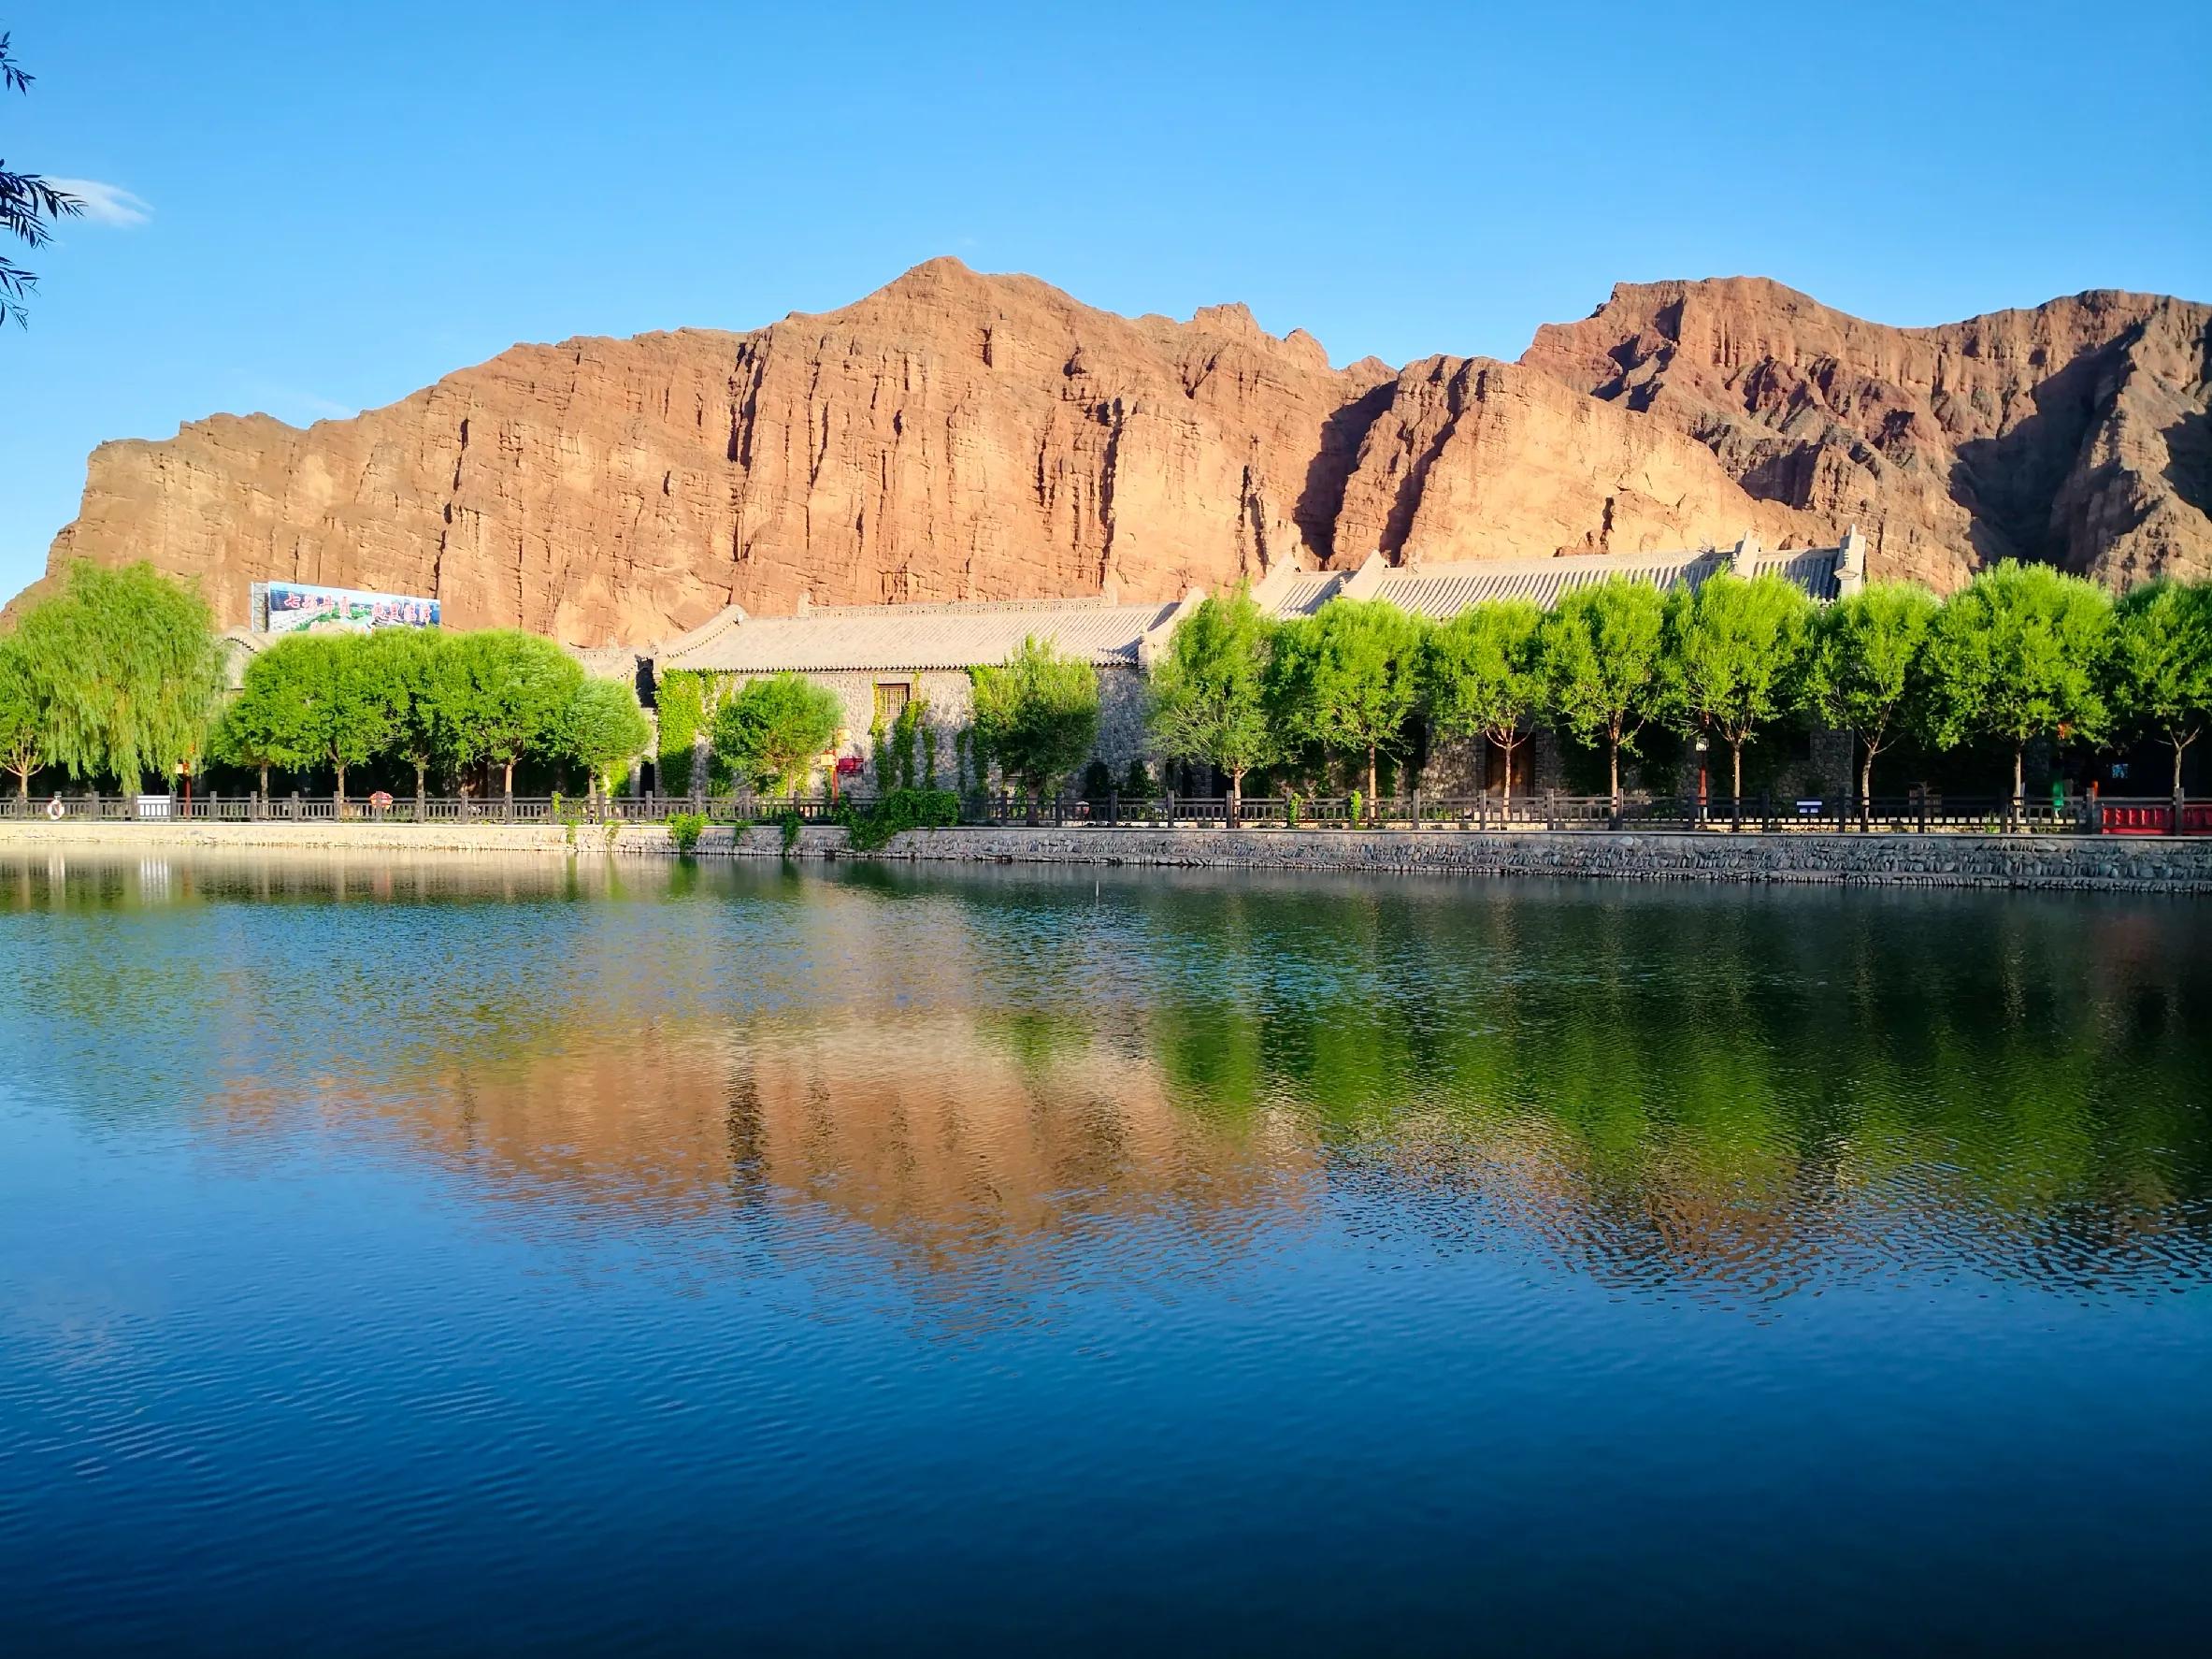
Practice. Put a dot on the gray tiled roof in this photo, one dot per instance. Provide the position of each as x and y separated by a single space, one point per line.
700 638
957 635
1440 591
827 639
1307 592
607 662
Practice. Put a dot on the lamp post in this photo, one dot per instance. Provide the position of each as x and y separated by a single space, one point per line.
1703 743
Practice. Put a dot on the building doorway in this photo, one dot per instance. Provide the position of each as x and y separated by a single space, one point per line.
1524 768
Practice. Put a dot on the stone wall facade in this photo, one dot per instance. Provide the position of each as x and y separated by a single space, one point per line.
951 698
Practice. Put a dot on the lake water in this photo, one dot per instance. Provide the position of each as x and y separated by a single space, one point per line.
507 1257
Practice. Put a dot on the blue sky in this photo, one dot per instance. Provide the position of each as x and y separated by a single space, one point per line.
328 206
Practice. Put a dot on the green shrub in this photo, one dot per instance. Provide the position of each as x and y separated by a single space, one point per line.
789 821
871 827
1137 781
684 829
772 730
1037 715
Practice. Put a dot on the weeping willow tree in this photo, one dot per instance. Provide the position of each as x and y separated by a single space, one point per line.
23 721
125 670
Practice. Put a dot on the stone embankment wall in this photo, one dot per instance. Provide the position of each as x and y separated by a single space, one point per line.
313 836
2146 863
2143 864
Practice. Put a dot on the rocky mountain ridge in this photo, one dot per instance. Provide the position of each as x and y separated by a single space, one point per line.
955 435
2074 434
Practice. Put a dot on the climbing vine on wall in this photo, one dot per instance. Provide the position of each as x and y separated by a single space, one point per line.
682 711
906 734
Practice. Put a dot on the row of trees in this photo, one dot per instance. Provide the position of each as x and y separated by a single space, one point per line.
2021 652
459 705
119 675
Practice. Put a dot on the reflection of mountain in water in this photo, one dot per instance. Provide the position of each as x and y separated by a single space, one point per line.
999 1083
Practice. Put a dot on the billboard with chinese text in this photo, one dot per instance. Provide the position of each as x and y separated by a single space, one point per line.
295 607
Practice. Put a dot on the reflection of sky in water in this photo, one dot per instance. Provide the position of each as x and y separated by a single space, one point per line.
1826 1202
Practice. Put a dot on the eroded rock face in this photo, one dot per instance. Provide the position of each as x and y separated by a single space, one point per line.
962 435
1474 459
952 436
2076 433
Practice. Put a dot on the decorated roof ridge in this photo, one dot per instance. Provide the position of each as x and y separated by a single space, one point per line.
692 638
1521 564
971 607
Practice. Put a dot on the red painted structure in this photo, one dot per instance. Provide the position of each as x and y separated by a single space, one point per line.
2154 817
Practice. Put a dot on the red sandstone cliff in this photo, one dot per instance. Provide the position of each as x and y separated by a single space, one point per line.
955 435
2074 433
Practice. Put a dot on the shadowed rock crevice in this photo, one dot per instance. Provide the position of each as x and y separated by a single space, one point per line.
1322 499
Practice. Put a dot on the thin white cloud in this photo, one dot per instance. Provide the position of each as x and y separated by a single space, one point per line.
289 403
107 204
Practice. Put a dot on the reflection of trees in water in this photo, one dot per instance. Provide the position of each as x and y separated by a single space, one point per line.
1754 1088
991 1081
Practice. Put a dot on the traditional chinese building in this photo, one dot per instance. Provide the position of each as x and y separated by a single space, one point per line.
878 658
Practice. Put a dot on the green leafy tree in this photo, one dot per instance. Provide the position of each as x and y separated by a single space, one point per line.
1730 658
29 205
1037 715
1863 659
125 664
1349 678
351 712
1209 694
1483 675
2161 662
604 729
269 723
2016 654
22 717
420 675
510 691
772 729
1602 648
